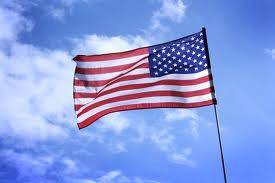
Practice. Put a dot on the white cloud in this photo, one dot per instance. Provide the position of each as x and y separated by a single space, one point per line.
271 52
180 114
97 44
26 165
183 157
173 10
35 98
164 139
12 23
115 176
57 13
70 166
115 122
187 115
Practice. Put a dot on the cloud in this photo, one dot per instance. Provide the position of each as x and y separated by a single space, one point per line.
57 13
271 52
115 176
98 44
182 158
163 139
70 166
64 7
12 23
187 115
172 10
180 114
115 122
36 99
28 167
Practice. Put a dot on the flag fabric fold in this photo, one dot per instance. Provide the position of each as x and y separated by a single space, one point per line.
175 74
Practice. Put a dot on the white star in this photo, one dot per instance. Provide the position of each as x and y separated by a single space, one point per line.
192 38
163 47
199 55
163 51
156 73
173 57
169 61
158 55
200 62
178 53
193 53
155 67
164 65
189 58
168 54
159 62
192 45
197 47
188 51
163 58
197 40
183 48
195 60
160 69
184 63
154 59
178 45
204 57
183 56
175 65
170 68
166 72
201 41
173 49
201 34
154 50
187 43
179 60
176 70
205 65
180 67
202 49
190 65
186 69
196 68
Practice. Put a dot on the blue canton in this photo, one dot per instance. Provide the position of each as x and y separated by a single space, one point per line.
183 56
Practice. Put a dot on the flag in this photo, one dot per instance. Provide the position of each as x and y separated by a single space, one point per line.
175 74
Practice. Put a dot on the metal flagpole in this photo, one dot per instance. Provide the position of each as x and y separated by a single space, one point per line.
216 113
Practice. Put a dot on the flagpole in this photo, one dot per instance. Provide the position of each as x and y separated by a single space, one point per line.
216 113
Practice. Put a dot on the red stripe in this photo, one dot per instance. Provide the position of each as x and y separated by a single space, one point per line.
146 94
77 107
105 70
111 56
115 79
104 82
145 85
93 118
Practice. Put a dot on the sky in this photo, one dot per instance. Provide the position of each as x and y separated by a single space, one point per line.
39 138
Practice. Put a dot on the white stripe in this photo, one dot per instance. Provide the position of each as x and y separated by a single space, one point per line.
158 99
106 76
144 80
110 63
201 86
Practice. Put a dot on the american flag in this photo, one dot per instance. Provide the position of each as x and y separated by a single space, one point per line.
175 74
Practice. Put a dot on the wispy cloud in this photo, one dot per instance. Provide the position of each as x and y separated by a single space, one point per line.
12 23
172 10
182 158
271 52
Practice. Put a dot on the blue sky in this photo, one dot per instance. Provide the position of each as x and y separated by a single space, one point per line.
39 139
